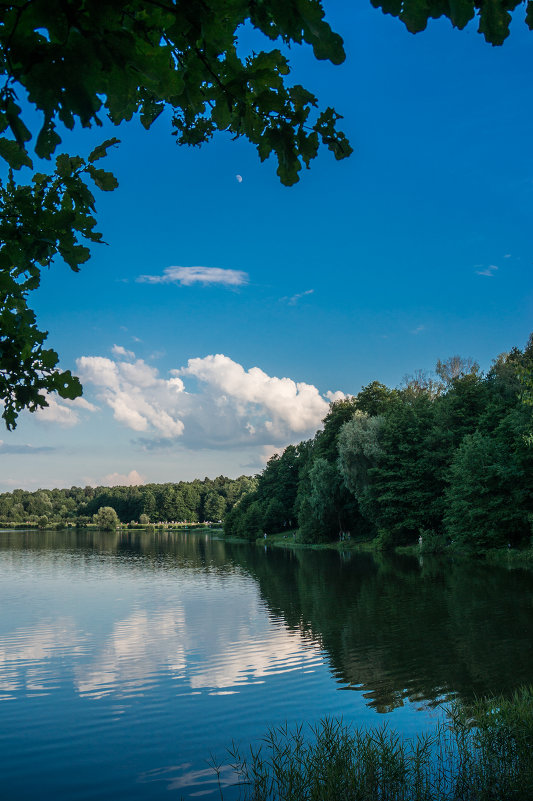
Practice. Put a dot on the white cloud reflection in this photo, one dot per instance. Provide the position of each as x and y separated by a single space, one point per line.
207 642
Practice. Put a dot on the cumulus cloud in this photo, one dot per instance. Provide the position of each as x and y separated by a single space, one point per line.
335 396
118 350
138 397
290 405
64 412
230 407
488 271
187 276
293 299
131 479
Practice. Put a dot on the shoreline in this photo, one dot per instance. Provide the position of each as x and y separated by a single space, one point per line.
506 557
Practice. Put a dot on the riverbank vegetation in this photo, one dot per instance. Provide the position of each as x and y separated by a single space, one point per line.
479 752
446 459
187 501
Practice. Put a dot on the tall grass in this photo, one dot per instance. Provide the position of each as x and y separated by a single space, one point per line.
483 752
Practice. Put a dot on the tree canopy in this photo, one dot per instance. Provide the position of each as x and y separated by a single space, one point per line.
77 62
452 466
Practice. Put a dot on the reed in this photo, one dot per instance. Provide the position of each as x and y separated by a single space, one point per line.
479 752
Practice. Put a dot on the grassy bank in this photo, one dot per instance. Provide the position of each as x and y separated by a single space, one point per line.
506 557
483 752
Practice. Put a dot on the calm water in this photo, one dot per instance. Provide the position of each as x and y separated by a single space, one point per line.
126 659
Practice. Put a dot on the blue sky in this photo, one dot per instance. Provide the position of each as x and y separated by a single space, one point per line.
414 249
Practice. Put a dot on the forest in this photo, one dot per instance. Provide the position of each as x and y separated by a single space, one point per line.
446 458
187 501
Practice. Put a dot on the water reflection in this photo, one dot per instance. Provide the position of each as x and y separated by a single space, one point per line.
202 627
172 645
398 627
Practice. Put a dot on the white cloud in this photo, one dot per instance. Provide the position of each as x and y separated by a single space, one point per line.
294 407
118 350
488 271
293 299
335 396
138 397
418 329
187 276
131 479
64 412
230 406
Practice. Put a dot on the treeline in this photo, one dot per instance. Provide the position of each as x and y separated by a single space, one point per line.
447 457
186 501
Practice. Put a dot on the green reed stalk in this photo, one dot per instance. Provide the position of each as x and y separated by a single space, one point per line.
479 752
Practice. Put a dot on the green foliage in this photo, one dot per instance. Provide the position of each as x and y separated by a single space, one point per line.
39 222
77 61
405 488
479 753
326 509
384 541
444 461
107 518
494 17
431 542
252 523
214 506
78 504
359 451
490 491
375 398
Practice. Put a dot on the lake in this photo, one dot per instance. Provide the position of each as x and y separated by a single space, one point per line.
126 659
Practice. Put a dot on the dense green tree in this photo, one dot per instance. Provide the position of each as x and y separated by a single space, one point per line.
375 398
325 507
214 506
252 526
149 504
320 513
359 451
326 440
107 518
128 502
39 503
490 494
405 492
275 516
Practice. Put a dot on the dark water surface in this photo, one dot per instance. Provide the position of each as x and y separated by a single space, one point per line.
125 659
